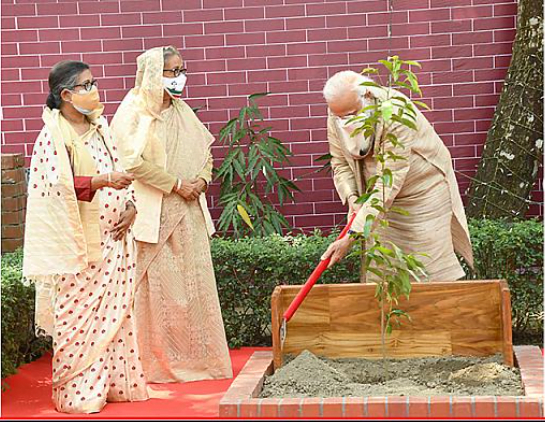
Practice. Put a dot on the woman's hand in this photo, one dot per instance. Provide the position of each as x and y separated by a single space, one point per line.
116 180
126 219
120 180
200 184
338 250
188 191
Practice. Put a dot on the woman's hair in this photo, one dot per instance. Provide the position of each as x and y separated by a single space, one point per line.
62 76
170 51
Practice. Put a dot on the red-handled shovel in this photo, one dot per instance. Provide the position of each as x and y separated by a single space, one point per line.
322 266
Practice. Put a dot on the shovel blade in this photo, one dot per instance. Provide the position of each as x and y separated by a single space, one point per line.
283 328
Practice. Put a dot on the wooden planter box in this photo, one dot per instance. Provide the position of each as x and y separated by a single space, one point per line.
453 318
466 318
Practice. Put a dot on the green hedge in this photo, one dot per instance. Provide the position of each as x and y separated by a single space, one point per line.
248 270
19 344
513 251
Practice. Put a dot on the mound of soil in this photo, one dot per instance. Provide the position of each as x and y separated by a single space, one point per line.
308 375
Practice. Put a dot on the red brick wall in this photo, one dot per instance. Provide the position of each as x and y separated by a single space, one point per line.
289 47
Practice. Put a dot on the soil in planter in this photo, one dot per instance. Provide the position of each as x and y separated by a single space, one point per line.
308 375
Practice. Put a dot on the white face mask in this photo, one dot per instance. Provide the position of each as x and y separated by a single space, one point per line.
358 146
175 86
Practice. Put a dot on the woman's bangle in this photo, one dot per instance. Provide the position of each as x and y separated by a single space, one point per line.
109 175
178 184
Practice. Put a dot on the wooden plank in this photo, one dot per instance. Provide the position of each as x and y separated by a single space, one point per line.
400 344
507 335
476 342
314 311
276 321
344 320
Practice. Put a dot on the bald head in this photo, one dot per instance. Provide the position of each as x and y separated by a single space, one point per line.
343 92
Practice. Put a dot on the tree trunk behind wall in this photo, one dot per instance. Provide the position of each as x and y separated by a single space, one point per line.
514 146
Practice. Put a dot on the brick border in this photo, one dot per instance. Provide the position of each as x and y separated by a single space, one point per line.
241 398
14 192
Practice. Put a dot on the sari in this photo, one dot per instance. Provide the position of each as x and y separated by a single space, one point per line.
85 281
179 323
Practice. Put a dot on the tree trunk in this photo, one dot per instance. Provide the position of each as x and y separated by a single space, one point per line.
513 150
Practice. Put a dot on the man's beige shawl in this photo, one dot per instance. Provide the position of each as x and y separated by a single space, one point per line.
348 174
135 130
62 234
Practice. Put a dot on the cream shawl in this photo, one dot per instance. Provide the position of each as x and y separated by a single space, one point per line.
135 128
62 234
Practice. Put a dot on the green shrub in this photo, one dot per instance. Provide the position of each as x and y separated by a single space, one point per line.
19 344
513 251
248 270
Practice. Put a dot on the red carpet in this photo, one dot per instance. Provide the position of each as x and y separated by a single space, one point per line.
29 395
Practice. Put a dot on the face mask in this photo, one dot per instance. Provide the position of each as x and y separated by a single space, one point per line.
86 101
175 86
358 145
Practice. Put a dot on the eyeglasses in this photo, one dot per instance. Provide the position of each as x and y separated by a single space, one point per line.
88 86
176 71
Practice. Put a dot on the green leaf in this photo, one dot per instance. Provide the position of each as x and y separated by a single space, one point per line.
369 70
258 95
371 181
238 164
387 177
412 63
364 198
404 122
369 219
379 208
422 104
375 271
386 251
403 84
388 328
371 84
387 109
395 157
398 210
387 64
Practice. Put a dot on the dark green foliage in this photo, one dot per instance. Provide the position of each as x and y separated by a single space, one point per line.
19 344
248 270
513 251
249 176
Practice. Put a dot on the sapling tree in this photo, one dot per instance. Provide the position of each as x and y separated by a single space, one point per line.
392 267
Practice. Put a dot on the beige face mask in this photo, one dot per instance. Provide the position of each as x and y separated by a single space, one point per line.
86 101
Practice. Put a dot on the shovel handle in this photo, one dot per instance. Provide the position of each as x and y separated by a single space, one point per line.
322 266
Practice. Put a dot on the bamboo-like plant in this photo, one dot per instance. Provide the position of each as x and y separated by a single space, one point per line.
393 267
249 179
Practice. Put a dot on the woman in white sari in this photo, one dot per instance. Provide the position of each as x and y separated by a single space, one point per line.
162 142
79 249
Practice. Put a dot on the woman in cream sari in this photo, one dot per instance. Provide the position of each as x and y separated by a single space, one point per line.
79 250
162 142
